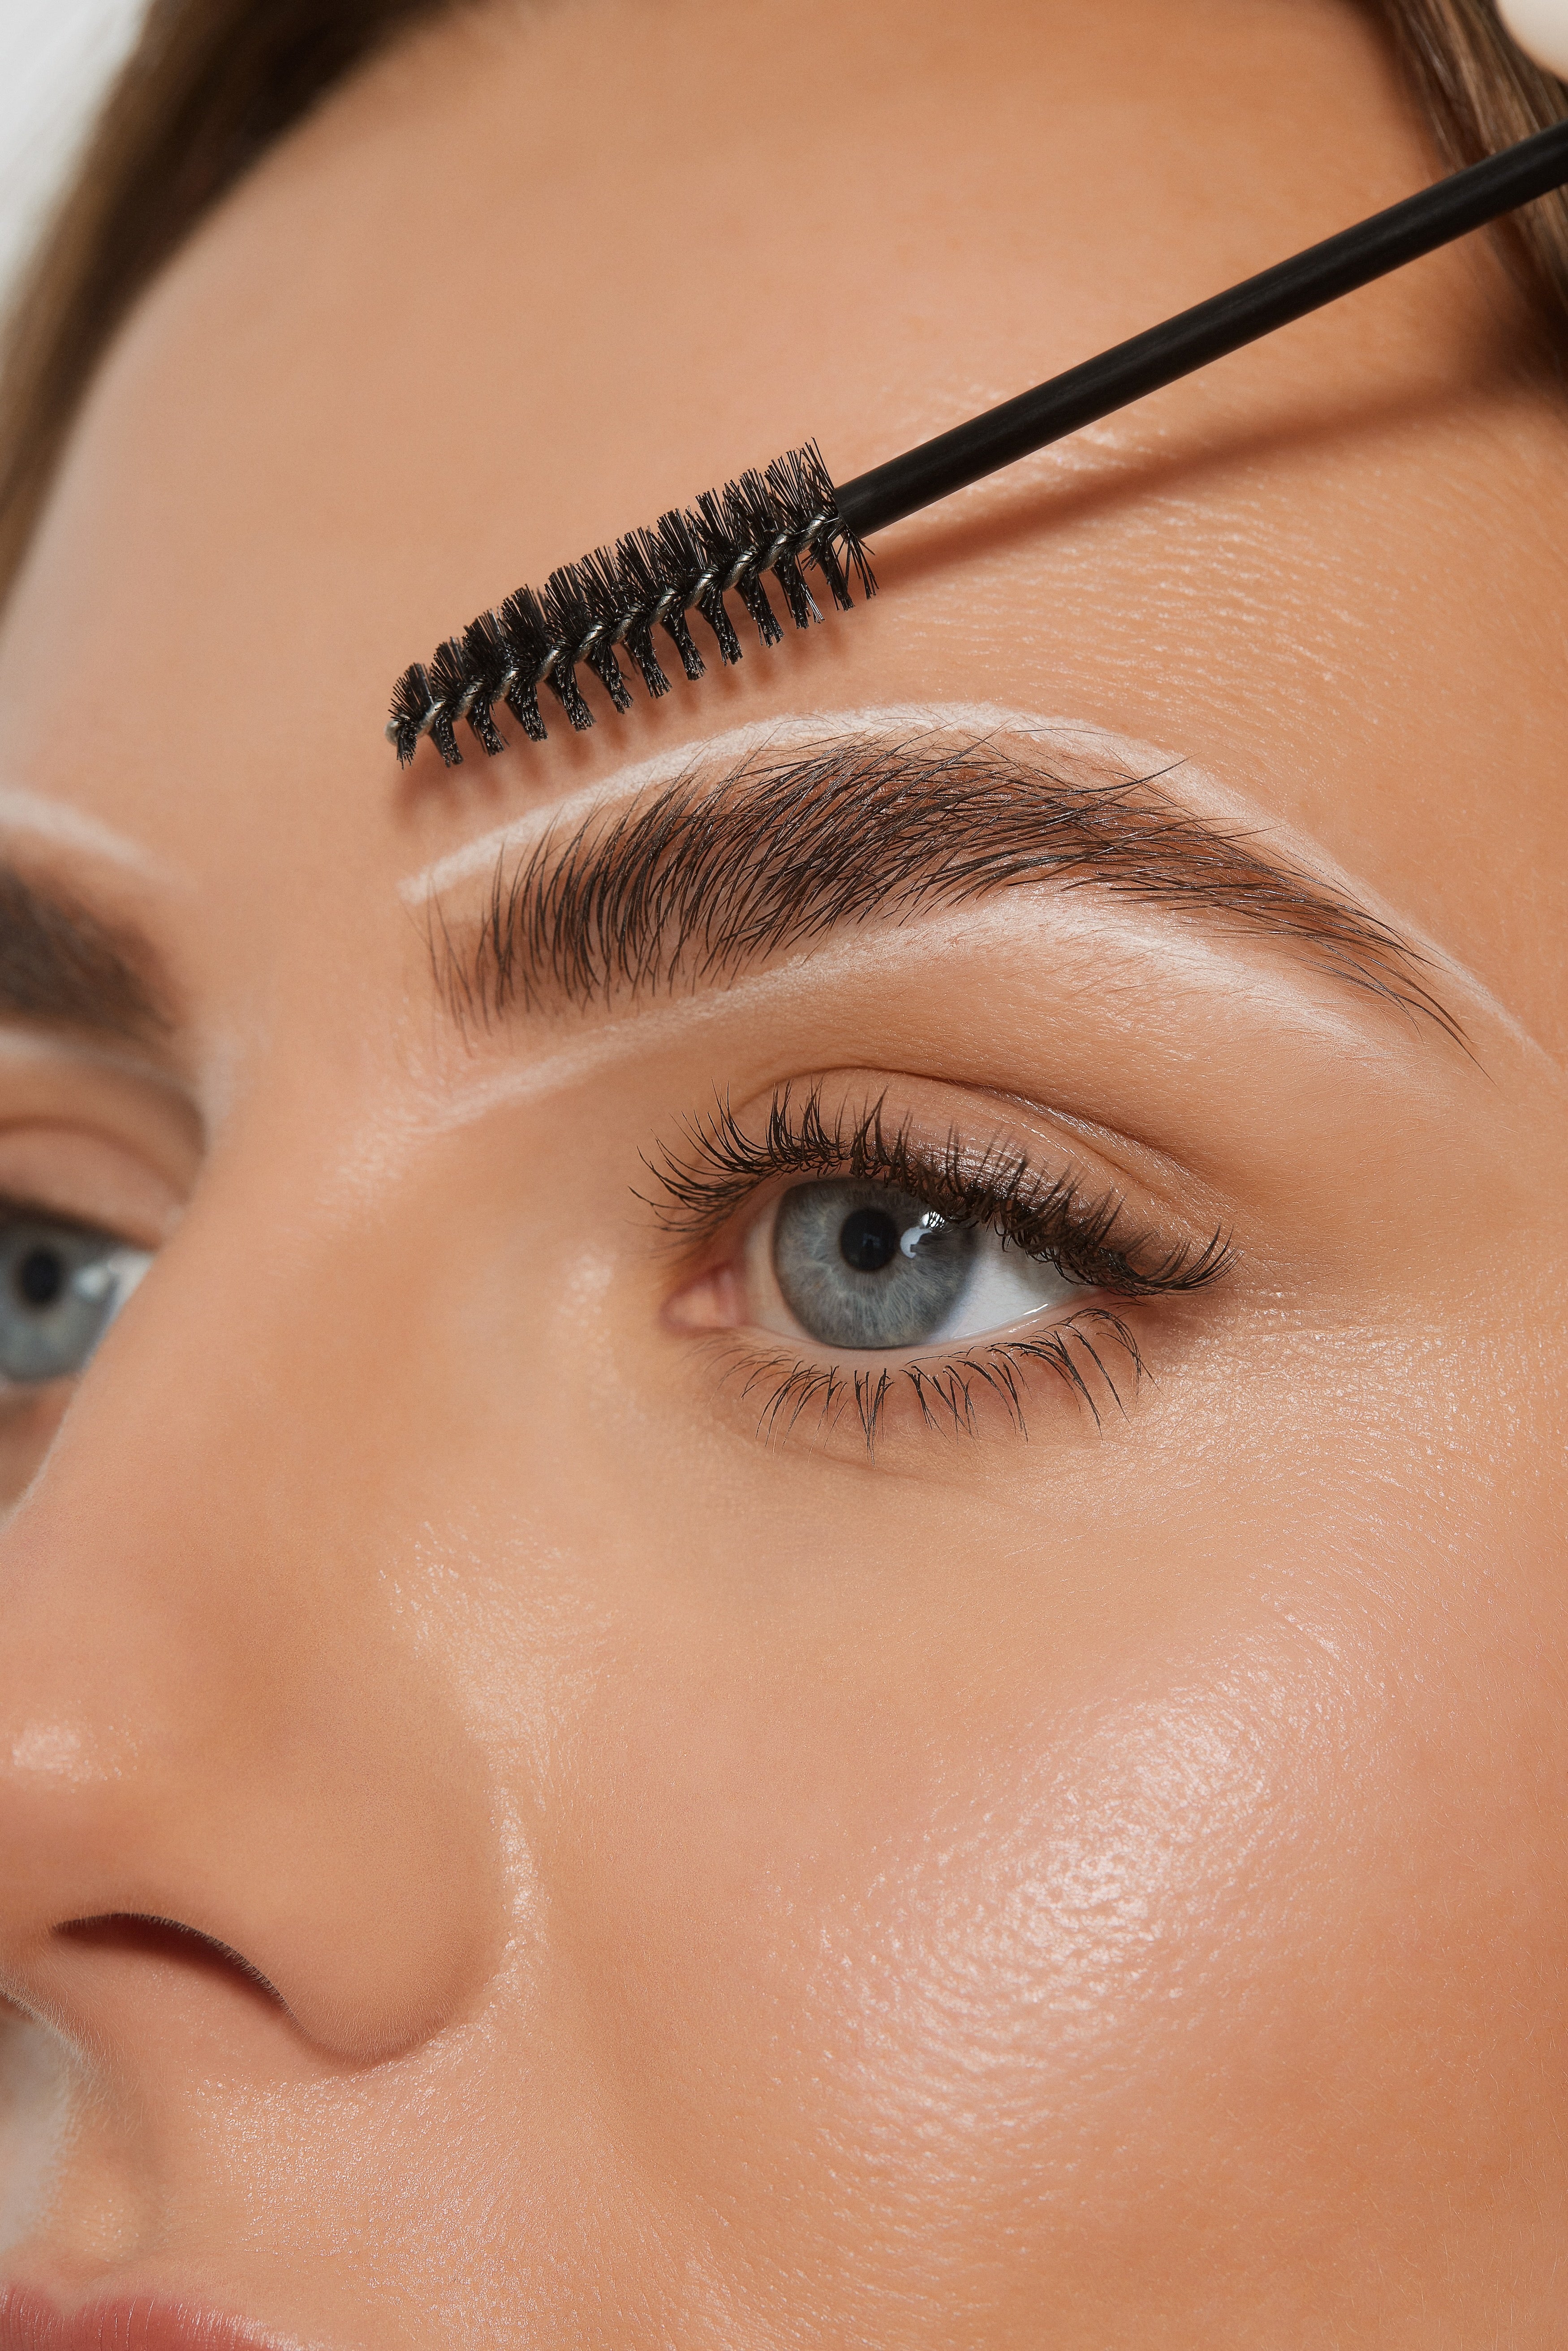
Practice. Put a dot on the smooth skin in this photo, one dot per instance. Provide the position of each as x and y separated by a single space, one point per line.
720 1885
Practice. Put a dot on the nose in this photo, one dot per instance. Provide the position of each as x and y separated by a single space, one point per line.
212 1711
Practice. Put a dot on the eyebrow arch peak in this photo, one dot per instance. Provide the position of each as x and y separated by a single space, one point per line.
693 882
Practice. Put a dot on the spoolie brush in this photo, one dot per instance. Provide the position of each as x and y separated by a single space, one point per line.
789 519
764 526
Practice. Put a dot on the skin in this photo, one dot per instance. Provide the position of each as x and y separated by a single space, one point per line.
1094 1887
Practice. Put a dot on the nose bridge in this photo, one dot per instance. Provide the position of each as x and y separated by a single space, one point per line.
210 1712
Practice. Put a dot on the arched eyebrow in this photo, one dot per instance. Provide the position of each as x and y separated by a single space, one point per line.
694 883
63 967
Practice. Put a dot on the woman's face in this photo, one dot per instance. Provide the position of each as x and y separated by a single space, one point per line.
816 1599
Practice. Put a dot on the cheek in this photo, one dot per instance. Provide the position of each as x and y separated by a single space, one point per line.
999 1999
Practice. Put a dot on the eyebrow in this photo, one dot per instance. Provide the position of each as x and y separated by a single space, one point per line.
708 877
63 965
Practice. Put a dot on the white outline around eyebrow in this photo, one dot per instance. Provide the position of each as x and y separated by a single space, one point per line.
1207 799
31 815
479 857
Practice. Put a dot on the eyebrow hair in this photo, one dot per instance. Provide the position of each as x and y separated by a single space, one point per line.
63 965
707 877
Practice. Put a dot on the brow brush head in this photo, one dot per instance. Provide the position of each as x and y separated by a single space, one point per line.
773 521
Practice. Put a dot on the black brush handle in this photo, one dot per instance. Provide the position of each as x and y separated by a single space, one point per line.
1464 201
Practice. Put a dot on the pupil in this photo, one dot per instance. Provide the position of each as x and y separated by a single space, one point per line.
868 1239
40 1277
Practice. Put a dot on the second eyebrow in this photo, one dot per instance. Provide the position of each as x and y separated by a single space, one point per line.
61 965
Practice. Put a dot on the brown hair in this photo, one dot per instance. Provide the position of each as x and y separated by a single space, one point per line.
213 83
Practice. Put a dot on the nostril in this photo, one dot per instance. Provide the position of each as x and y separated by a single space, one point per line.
128 1934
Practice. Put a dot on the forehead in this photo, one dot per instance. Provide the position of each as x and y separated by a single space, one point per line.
533 278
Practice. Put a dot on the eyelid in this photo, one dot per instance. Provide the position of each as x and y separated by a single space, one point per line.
18 1207
723 1160
86 1178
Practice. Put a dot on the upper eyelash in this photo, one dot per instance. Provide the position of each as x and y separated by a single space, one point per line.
1045 1216
17 1210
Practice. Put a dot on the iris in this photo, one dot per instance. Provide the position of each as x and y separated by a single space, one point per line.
861 1265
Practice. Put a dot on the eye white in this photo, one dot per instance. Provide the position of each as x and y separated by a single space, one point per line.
1006 1285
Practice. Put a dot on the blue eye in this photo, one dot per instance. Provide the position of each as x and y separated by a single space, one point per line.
60 1289
863 1265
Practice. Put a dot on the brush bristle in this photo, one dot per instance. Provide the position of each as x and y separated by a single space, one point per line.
776 520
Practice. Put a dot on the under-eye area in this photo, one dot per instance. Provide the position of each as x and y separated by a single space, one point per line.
853 1259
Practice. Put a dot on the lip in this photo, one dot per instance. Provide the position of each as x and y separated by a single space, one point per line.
31 2322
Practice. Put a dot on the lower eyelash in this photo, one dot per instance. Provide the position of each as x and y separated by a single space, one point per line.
948 1391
